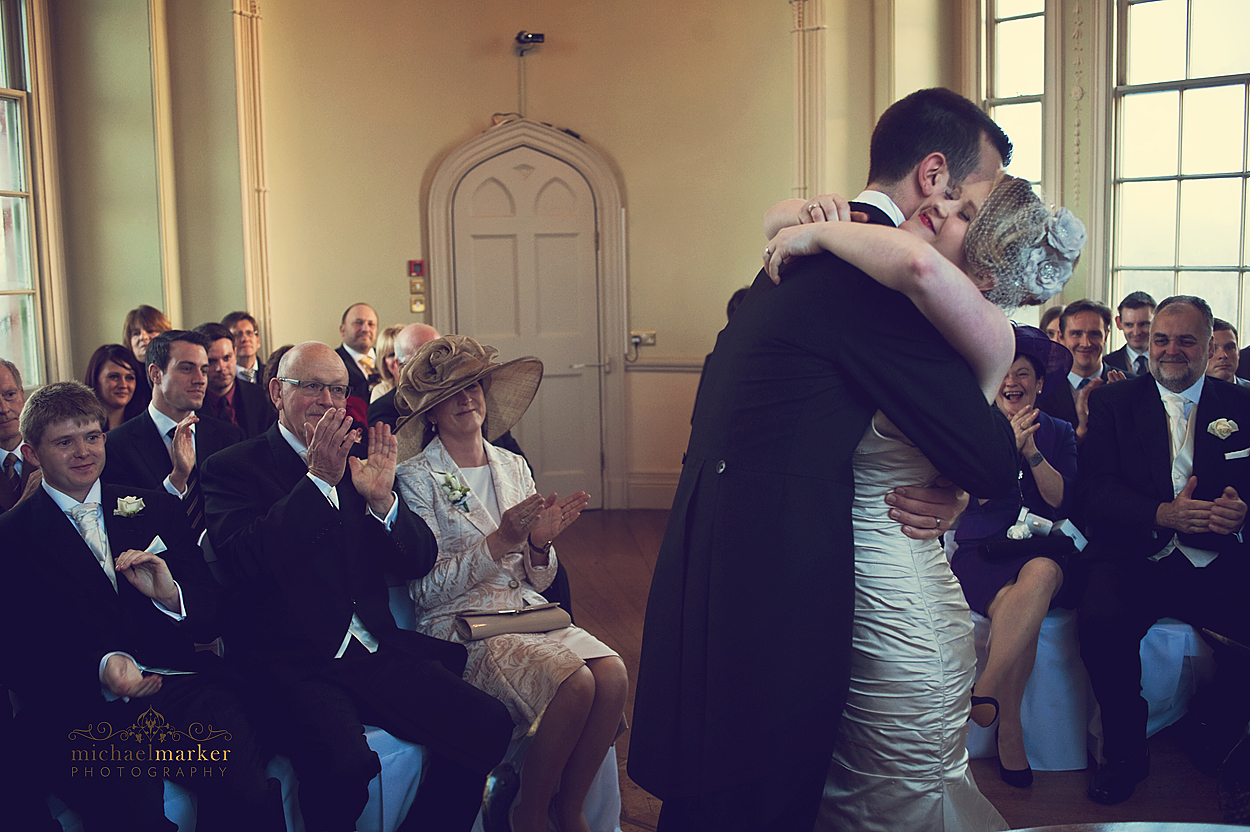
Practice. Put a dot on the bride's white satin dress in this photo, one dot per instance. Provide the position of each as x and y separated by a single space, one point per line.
900 763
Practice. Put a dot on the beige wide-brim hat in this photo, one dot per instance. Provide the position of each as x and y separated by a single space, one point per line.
445 366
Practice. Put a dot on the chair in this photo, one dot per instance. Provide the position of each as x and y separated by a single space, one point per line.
1061 720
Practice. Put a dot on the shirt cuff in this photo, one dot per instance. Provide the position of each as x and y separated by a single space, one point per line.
389 519
169 486
109 696
176 616
327 490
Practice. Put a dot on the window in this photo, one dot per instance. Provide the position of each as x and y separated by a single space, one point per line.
1179 223
1015 79
19 297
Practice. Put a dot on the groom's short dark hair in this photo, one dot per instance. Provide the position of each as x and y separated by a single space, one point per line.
932 121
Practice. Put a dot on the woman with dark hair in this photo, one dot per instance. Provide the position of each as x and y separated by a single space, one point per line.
1050 322
143 323
113 374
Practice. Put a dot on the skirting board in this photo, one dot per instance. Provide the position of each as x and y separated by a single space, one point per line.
651 490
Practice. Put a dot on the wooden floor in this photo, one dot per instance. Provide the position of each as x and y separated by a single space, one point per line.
610 556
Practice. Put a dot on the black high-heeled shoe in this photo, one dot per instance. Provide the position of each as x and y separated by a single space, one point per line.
984 700
1021 778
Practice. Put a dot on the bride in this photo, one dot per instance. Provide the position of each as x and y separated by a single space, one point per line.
899 762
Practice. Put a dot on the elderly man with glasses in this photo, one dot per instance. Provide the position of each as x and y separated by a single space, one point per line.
307 534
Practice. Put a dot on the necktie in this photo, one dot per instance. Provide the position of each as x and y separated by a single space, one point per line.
225 410
193 500
10 483
1141 365
1084 382
87 518
366 364
1174 404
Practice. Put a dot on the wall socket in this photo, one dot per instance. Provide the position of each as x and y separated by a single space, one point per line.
645 337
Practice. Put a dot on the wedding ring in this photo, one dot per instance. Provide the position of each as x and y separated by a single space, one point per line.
768 252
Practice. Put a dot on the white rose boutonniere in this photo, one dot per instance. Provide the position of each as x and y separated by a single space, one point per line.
128 506
457 491
1223 428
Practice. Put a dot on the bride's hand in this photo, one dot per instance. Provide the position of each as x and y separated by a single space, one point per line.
828 208
795 241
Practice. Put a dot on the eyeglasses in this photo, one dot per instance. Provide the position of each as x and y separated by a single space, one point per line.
313 389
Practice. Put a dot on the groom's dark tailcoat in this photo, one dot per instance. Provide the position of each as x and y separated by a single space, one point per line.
62 615
1124 475
299 569
736 684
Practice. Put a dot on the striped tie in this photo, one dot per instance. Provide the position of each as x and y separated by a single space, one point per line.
193 501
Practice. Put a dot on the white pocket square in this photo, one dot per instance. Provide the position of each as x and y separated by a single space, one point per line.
1238 454
157 545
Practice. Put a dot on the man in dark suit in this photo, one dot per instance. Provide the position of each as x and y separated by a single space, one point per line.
15 472
103 583
165 446
229 398
766 489
359 331
1083 328
307 540
1132 318
1161 474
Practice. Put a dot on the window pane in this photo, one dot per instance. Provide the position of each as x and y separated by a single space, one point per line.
1012 8
1217 288
1150 134
1147 226
1156 49
1210 222
1214 129
17 336
1218 38
1019 62
1023 125
1158 285
15 271
12 171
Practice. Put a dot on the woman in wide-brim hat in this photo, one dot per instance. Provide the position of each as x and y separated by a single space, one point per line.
1010 581
494 534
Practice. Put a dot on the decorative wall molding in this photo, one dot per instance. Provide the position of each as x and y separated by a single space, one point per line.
254 187
163 140
809 34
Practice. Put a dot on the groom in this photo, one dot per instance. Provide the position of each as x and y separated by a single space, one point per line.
739 692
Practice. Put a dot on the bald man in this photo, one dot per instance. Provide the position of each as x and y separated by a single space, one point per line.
307 534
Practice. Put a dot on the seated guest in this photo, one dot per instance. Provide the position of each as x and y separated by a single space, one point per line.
248 362
388 366
1050 322
143 323
1163 471
1083 328
104 583
229 398
1225 358
359 330
1133 320
17 476
494 534
1014 582
112 373
164 446
306 537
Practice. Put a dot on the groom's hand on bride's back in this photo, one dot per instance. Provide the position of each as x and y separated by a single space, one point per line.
926 513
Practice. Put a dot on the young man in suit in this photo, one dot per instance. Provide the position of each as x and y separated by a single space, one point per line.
766 485
243 327
1225 358
307 538
1162 474
359 331
1132 317
228 398
1083 328
15 473
165 446
103 583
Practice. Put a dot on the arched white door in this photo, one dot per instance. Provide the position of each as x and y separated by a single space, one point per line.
526 282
